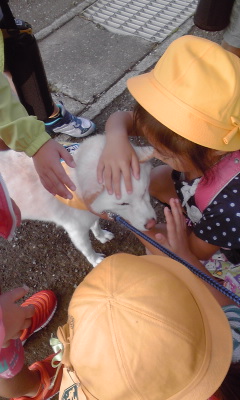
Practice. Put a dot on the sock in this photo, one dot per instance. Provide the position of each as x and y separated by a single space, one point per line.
56 114
11 359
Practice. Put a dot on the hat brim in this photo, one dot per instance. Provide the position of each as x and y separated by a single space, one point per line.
178 116
219 340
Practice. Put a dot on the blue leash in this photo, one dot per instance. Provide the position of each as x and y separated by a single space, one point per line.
175 257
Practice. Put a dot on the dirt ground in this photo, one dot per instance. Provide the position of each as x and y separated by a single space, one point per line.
42 256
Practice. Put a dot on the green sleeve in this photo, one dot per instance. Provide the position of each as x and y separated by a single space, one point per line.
18 130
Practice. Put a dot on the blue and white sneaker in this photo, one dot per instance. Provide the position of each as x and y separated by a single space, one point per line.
67 123
70 147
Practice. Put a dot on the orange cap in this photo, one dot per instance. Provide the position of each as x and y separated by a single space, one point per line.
194 91
146 328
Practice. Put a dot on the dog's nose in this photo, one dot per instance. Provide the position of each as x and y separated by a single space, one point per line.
150 224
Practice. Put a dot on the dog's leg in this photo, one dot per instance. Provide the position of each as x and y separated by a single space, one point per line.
101 234
78 231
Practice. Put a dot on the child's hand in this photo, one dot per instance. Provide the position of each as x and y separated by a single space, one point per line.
15 318
118 159
51 172
176 239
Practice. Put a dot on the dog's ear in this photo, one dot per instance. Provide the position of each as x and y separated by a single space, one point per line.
144 153
89 198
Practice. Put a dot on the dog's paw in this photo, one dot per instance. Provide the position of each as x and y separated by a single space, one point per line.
98 257
106 236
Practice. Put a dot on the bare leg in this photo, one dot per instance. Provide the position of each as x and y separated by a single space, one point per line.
161 184
232 49
25 383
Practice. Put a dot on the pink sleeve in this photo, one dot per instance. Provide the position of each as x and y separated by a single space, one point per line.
11 357
2 330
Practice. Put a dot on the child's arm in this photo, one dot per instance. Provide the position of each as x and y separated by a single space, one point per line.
118 157
25 133
176 239
50 170
201 249
14 317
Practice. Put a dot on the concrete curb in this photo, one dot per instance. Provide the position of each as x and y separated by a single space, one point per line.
107 97
147 62
43 33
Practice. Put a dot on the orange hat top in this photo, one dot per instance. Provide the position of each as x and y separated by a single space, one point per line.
194 90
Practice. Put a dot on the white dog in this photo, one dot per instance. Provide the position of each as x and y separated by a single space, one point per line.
36 203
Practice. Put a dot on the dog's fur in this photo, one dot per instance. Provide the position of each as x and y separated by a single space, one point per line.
36 203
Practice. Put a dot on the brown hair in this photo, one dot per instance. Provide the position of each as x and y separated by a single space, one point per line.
163 138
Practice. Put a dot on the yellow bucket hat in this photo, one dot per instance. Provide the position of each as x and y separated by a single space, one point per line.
194 90
145 328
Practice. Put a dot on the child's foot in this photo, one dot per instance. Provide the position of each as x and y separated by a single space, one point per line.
48 387
67 123
45 303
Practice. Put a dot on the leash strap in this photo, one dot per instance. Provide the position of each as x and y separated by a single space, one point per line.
175 257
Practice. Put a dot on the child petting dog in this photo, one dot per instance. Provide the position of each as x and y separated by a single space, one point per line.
188 108
130 331
128 336
22 132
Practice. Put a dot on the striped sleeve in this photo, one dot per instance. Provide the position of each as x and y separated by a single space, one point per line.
232 313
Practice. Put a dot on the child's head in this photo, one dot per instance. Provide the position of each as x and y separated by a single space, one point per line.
193 91
145 327
169 144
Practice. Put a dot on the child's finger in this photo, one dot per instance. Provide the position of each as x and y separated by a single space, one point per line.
60 172
56 181
116 183
177 214
160 238
64 179
17 293
100 169
127 176
67 157
28 311
135 167
48 185
171 226
108 180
